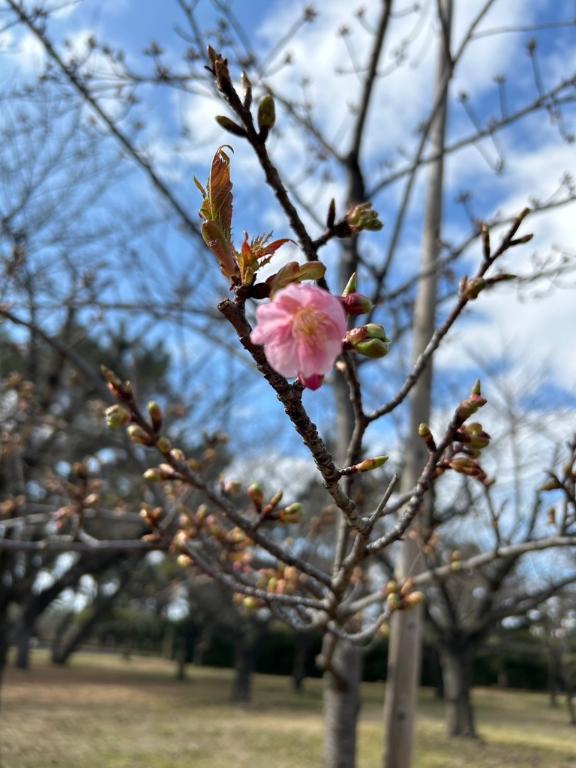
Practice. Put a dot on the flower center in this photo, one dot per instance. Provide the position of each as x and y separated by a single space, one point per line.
308 325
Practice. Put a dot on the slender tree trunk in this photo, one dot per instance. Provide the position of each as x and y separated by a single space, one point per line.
24 634
243 665
302 643
4 635
553 674
342 706
458 667
60 634
404 655
102 605
201 645
570 706
181 659
437 672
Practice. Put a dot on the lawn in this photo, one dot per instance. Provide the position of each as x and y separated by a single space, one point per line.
104 712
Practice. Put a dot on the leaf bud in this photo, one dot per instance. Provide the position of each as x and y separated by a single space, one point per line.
230 126
331 215
392 601
291 513
407 587
274 501
110 377
138 435
413 599
155 413
366 466
247 85
551 485
351 285
391 587
152 475
164 445
426 435
255 494
266 115
177 454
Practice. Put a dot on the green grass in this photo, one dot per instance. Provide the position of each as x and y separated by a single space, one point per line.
104 712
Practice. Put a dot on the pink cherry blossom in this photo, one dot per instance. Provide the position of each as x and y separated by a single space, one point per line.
302 330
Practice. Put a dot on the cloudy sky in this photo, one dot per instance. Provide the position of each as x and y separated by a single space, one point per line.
524 336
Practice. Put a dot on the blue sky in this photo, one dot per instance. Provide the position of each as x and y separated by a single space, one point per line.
507 333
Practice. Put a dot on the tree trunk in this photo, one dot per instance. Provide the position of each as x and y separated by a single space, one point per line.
404 654
342 706
553 675
201 645
570 707
181 660
458 666
102 605
302 643
243 665
23 639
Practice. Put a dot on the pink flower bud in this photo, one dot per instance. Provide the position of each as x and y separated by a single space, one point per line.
356 304
311 382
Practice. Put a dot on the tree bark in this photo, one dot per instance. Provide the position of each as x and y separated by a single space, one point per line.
404 655
102 605
570 707
342 706
243 665
458 667
23 640
201 645
302 643
553 675
61 630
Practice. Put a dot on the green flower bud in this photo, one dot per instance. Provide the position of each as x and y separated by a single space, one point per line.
117 417
373 348
266 115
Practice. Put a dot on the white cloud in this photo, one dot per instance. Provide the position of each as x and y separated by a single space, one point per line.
274 472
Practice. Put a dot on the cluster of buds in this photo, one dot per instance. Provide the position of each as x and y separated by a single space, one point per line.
152 516
363 217
471 404
11 506
117 417
369 340
468 441
473 439
23 388
402 596
271 510
266 117
83 492
283 580
455 560
471 288
122 391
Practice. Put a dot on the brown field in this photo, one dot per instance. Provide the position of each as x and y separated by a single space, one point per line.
104 712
